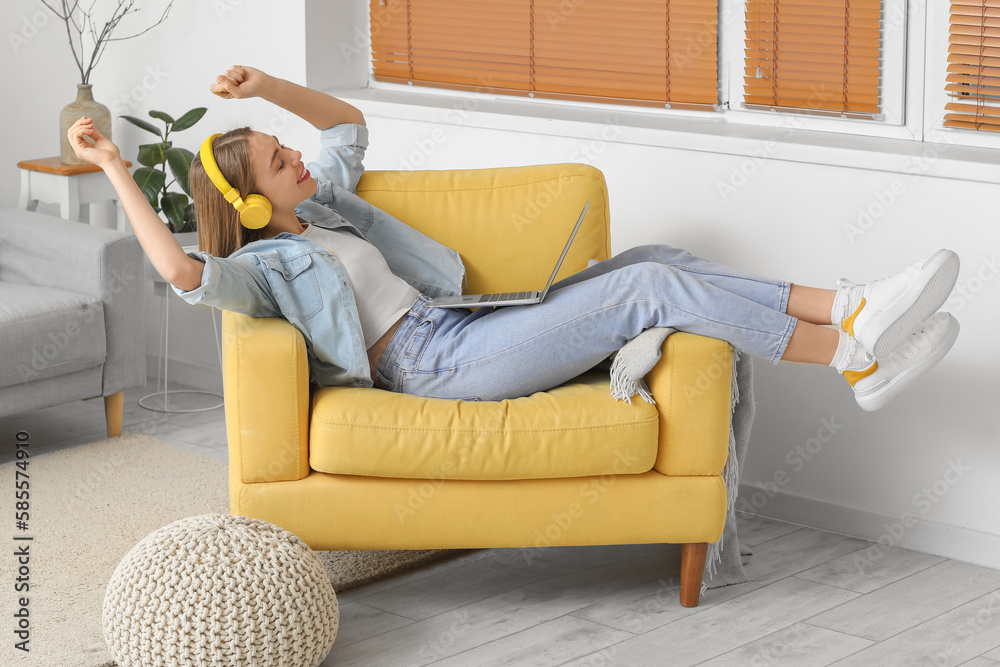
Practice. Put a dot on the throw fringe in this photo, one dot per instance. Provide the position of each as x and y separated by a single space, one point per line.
633 361
624 383
730 473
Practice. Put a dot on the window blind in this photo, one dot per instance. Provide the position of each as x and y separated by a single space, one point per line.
813 56
641 52
973 80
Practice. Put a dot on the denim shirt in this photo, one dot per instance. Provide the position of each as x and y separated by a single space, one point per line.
296 278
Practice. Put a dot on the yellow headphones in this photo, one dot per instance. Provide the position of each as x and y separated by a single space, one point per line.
255 212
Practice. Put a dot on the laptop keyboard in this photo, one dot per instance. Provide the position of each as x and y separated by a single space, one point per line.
504 295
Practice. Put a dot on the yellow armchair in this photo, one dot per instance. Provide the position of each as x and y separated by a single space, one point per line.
354 468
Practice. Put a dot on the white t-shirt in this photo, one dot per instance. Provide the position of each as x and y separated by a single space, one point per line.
382 296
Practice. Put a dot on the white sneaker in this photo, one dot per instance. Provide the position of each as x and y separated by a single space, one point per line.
893 307
878 383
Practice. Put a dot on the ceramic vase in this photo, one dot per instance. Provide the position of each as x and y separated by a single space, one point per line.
83 106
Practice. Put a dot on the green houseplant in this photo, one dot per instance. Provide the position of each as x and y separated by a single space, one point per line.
151 177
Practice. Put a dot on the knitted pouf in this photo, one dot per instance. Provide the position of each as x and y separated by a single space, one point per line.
220 590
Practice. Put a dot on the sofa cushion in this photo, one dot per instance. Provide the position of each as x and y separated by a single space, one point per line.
574 430
46 332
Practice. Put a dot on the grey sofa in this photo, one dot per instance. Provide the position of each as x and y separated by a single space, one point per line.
71 314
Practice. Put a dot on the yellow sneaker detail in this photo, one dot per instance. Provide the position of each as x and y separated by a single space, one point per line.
848 324
853 377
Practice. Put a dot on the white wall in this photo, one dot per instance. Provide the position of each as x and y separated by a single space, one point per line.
169 69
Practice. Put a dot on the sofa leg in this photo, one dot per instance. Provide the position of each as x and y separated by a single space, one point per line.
692 571
114 412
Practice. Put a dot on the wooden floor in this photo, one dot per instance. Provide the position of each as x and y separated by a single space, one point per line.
817 598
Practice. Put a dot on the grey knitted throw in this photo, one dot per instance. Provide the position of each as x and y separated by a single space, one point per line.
629 365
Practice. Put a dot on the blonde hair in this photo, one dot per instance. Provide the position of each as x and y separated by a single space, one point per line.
220 233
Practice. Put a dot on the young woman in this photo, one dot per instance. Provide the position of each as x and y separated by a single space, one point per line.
278 239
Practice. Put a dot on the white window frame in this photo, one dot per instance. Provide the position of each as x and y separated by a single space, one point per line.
935 96
901 82
898 17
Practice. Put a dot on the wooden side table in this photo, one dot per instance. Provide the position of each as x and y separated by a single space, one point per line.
69 185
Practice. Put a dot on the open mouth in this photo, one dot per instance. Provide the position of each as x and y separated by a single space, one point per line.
304 176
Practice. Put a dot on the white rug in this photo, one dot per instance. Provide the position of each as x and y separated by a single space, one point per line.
89 505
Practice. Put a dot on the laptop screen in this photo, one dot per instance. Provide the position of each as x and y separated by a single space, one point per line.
583 214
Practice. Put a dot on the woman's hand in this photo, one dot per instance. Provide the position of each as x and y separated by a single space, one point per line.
239 82
102 153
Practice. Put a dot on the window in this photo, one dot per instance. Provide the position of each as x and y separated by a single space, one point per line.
815 56
973 80
643 52
837 66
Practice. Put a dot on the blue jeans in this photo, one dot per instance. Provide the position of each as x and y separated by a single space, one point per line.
511 351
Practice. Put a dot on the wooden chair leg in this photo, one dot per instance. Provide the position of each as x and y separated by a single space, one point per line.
692 571
114 412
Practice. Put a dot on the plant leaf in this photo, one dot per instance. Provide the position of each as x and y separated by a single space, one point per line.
190 220
150 181
146 125
179 160
189 119
174 204
166 118
153 154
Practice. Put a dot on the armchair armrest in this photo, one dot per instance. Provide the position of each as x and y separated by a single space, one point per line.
43 250
692 385
266 383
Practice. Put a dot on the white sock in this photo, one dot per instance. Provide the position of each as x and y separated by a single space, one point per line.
850 354
846 301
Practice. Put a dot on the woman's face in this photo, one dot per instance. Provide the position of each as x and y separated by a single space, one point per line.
281 175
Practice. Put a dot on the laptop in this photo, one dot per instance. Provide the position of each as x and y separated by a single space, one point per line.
509 298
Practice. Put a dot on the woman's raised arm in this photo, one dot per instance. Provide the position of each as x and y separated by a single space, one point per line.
163 250
320 109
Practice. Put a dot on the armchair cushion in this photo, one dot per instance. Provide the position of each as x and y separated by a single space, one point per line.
574 430
48 332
